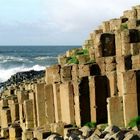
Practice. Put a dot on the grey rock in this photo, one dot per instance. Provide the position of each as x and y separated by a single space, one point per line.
112 129
55 137
132 137
86 131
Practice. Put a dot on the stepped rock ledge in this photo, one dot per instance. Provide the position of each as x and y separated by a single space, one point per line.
97 85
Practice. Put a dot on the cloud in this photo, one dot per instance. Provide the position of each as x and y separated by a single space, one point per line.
59 22
74 15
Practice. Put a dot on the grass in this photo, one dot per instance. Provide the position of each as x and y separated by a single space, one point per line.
72 60
82 52
124 26
134 122
91 124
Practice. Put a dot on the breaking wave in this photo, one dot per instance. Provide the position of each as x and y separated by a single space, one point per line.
45 58
5 74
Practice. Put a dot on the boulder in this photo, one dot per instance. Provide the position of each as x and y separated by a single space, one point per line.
86 131
112 129
55 137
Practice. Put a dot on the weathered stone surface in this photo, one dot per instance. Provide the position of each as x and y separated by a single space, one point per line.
3 103
110 64
66 73
130 14
110 59
130 107
132 23
92 53
55 137
62 60
96 135
85 131
115 24
40 104
14 108
112 129
82 101
84 70
112 83
67 101
52 74
98 96
41 134
57 102
29 117
132 137
49 104
98 49
135 48
6 117
106 26
27 134
4 133
115 111
22 96
129 82
102 65
117 136
124 63
58 128
75 72
82 59
88 70
71 131
136 61
15 132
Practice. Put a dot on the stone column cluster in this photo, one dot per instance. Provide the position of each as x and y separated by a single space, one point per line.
96 83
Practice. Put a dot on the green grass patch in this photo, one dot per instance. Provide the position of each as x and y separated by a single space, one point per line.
124 26
72 60
134 122
82 52
103 126
91 124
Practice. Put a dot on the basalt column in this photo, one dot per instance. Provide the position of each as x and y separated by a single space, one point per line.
84 101
98 95
81 101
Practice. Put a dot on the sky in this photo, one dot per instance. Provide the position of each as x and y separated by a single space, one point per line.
55 22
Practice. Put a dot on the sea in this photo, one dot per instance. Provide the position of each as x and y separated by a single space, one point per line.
15 59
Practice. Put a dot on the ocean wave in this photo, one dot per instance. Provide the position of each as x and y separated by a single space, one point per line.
45 58
7 73
5 59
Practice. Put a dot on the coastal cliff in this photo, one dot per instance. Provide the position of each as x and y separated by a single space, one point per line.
93 85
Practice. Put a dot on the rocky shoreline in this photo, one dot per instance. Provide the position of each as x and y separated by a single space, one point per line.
98 83
21 77
98 133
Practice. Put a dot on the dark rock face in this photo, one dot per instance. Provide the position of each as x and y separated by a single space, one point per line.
23 76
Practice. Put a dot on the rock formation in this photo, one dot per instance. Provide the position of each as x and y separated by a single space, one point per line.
96 83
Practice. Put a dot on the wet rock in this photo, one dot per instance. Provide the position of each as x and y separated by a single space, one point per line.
86 131
55 137
22 76
74 131
117 136
104 134
96 135
132 137
112 129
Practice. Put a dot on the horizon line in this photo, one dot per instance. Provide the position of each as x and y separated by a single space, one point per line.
40 45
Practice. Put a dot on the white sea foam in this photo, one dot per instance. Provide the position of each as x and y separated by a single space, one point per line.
4 59
5 74
45 57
